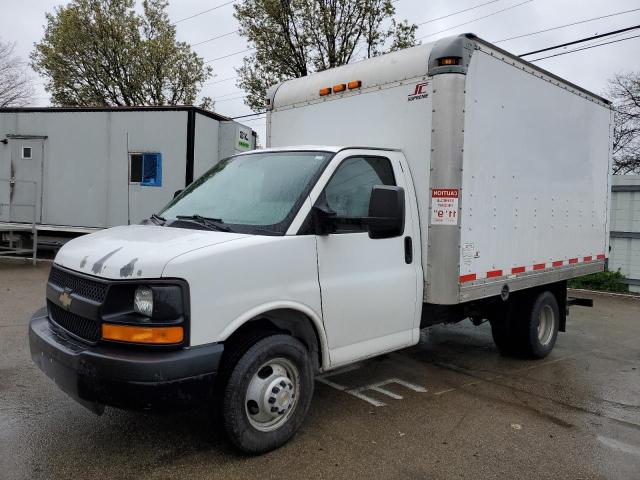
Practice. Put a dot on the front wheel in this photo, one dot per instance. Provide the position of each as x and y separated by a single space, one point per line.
268 394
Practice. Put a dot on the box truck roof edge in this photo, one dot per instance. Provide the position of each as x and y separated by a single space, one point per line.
411 62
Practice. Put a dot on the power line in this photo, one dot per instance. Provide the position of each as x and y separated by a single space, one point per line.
255 119
476 19
220 81
585 48
456 13
206 11
614 32
229 99
232 54
214 38
567 25
235 92
249 115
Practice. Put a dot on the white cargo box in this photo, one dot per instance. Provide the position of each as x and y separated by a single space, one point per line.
510 162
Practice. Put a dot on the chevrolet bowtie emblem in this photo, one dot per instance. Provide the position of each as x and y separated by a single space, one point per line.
65 300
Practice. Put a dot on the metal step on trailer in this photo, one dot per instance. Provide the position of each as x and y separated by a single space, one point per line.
11 249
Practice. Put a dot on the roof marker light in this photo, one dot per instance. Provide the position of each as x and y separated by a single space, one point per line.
353 84
341 87
325 91
447 61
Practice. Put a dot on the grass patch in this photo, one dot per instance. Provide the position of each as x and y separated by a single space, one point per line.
602 281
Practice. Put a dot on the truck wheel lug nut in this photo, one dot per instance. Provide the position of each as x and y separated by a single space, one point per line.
274 409
282 384
272 400
275 389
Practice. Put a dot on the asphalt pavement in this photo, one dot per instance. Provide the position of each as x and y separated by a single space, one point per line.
448 408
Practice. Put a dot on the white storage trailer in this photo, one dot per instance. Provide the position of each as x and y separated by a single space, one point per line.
466 183
78 169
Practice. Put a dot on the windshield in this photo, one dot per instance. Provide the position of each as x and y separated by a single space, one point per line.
250 193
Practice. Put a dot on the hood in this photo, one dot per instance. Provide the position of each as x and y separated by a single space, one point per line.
135 251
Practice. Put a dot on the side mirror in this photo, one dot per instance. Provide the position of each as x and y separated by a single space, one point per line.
177 192
324 219
386 212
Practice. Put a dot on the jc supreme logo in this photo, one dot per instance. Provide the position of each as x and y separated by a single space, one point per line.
419 91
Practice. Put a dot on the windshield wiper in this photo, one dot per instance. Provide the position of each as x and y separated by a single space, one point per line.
157 219
211 223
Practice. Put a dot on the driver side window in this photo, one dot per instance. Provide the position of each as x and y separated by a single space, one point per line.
349 190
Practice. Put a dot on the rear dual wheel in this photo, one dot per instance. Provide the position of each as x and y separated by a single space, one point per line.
530 328
267 394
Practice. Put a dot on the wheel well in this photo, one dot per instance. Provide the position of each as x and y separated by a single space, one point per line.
289 321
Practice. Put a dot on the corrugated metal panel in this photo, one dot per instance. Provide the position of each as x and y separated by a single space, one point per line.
625 226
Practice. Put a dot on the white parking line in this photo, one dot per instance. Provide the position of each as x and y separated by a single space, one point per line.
375 387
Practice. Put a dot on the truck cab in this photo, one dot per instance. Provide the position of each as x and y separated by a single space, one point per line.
274 265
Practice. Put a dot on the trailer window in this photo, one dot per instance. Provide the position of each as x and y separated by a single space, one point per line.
26 153
349 190
145 169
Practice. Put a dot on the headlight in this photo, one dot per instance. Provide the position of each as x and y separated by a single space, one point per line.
143 301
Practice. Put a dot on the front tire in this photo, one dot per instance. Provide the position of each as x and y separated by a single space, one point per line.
267 394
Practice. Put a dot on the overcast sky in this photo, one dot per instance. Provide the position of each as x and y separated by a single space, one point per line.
22 22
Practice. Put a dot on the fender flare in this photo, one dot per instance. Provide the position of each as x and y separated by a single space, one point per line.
316 321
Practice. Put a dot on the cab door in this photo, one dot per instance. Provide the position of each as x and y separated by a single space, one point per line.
369 287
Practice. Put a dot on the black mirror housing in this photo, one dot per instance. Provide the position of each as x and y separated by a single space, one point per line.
386 212
324 219
176 193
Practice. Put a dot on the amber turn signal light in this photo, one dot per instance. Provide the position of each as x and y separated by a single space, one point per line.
134 334
325 91
354 84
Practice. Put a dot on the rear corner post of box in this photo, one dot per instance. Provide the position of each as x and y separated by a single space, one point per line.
447 142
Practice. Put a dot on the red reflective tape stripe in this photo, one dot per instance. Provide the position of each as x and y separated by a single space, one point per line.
518 270
600 257
557 263
587 259
494 273
467 278
539 266
573 260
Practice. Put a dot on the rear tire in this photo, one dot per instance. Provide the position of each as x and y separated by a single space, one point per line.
539 329
530 327
267 394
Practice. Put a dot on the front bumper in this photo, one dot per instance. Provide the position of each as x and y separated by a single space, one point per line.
99 375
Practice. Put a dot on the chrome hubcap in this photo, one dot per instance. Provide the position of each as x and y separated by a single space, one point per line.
546 325
272 394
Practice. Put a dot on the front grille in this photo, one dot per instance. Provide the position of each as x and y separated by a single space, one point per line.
80 286
81 327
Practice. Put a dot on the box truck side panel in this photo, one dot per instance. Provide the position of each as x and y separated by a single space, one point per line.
534 181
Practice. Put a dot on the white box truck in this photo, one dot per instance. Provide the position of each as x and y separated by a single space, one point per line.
466 183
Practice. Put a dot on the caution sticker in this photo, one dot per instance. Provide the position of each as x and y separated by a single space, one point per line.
444 206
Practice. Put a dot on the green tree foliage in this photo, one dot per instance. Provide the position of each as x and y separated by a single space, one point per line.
102 53
293 38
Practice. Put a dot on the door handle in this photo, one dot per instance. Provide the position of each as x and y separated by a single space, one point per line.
408 250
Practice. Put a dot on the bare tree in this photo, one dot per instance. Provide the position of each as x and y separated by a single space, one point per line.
15 85
624 90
